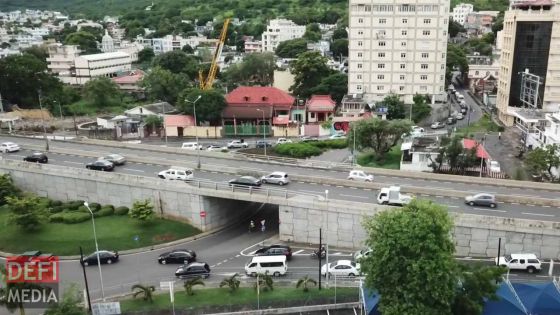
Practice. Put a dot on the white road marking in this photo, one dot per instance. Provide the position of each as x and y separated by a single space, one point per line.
312 191
538 214
491 210
352 196
450 206
70 162
133 170
299 251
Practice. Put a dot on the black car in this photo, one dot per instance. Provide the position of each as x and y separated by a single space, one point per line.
262 144
36 157
245 181
105 257
275 250
192 270
177 256
101 165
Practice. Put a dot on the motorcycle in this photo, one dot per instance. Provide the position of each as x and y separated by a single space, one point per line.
315 255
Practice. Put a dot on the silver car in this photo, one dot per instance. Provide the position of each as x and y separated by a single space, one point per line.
279 178
116 159
481 200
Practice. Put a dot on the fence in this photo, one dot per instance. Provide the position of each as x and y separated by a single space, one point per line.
296 162
246 130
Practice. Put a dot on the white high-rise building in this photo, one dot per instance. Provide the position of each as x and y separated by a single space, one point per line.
461 11
280 30
397 48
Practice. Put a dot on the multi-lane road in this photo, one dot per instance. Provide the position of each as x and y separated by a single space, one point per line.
334 192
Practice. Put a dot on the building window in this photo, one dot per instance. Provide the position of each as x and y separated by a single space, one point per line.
403 55
424 66
359 54
359 66
380 66
360 43
360 20
444 33
381 55
360 32
358 87
423 77
401 77
442 67
445 21
425 32
380 76
401 88
476 72
359 76
382 44
382 21
404 21
425 55
427 21
403 66
403 32
403 44
380 87
442 55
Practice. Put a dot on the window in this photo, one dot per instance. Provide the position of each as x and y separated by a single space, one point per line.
382 21
425 55
424 66
360 32
424 77
380 66
381 55
427 21
476 72
403 32
380 87
360 20
404 21
359 77
444 33
360 43
425 32
401 77
403 44
401 88
403 55
358 87
403 66
442 55
380 76
359 54
359 66
382 44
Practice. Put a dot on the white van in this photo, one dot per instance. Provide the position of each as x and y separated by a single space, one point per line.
273 265
191 146
177 173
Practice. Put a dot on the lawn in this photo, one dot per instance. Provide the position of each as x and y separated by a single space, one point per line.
279 297
113 232
392 159
485 124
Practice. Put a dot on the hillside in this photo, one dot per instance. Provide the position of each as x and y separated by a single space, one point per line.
90 8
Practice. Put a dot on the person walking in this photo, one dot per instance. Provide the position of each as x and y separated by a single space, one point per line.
263 227
251 226
499 136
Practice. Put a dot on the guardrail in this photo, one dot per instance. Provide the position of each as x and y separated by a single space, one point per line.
297 162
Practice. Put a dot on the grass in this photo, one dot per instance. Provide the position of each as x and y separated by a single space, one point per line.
243 296
113 232
392 159
485 124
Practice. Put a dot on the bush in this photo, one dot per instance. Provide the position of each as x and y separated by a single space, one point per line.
57 218
94 206
83 209
105 211
56 209
330 144
75 217
121 211
297 150
56 203
74 204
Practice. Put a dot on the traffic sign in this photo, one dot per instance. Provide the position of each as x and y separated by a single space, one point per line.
203 214
113 308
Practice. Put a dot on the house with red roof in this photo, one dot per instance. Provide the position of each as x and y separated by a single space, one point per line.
320 108
130 81
254 110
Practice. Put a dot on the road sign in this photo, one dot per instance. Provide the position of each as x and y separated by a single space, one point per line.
203 214
113 308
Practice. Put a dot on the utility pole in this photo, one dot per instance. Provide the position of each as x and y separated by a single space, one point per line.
85 278
1 105
319 256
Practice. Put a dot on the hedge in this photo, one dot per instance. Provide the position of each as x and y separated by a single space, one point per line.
297 150
56 209
75 217
94 206
105 211
330 144
121 211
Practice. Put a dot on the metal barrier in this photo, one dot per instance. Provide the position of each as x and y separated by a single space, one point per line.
296 162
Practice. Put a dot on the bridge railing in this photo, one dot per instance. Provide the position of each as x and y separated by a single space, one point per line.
296 162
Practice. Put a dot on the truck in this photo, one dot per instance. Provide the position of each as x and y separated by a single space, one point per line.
392 196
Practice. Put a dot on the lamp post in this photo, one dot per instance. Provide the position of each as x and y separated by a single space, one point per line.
43 121
264 131
196 129
163 115
96 250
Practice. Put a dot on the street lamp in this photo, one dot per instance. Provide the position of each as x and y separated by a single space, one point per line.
43 121
96 250
196 129
264 131
163 115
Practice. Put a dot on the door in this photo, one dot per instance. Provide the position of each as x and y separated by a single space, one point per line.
180 132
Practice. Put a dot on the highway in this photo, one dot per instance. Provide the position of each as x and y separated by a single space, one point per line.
454 204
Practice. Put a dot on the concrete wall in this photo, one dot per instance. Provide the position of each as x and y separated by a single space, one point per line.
203 132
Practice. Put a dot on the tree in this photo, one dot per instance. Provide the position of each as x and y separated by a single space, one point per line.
178 61
187 48
453 153
69 305
308 69
412 277
25 212
209 107
162 84
146 291
305 282
291 48
101 92
456 57
264 282
420 109
153 122
544 159
340 33
142 210
477 284
38 51
189 284
312 32
231 282
454 28
339 47
146 55
85 40
378 135
336 85
256 69
7 188
395 107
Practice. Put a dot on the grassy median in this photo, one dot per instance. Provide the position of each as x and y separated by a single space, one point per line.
113 233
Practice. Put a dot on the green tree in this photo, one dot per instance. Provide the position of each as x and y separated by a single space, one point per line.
498 24
142 210
69 305
208 108
336 85
454 28
25 212
231 282
456 57
146 55
308 69
264 282
187 48
85 40
146 291
189 285
101 92
178 61
378 135
421 109
453 153
412 277
339 47
7 188
305 282
154 122
291 48
162 84
395 107
256 69
38 51
544 159
312 32
340 33
477 284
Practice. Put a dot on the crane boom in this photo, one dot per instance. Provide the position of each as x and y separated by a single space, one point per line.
207 84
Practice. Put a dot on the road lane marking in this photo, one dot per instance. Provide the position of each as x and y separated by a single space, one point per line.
299 251
133 170
70 162
491 210
450 206
312 191
538 214
353 196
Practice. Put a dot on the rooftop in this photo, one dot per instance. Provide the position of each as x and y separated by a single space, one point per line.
103 56
259 95
321 103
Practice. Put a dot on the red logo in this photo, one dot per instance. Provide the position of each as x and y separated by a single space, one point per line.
32 269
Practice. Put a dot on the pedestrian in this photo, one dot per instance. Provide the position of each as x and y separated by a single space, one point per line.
499 135
251 226
263 227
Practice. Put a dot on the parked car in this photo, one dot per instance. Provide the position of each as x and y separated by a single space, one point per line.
101 165
528 262
116 159
417 131
261 144
459 116
308 139
337 136
237 144
176 173
279 178
193 270
464 110
495 166
283 140
36 157
275 250
177 256
362 254
437 125
360 175
215 147
191 146
451 120
245 181
9 147
341 268
481 200
105 257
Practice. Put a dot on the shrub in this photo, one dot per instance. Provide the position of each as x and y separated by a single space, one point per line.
57 218
94 206
75 217
297 150
56 203
74 204
43 202
105 211
330 144
56 209
121 211
83 209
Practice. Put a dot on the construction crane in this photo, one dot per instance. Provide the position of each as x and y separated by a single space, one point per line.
206 84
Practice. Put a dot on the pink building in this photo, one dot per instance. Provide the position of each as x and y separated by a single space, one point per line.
320 108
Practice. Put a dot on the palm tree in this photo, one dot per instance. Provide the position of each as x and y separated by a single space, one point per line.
189 284
231 282
145 291
305 281
265 282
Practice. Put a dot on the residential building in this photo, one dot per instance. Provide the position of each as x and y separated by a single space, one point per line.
548 132
530 50
130 82
353 105
480 21
97 65
252 46
159 109
322 46
320 108
5 52
279 30
61 61
461 11
174 42
398 48
418 153
175 125
483 74
107 44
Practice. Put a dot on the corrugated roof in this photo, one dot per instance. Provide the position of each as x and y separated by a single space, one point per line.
320 103
480 151
259 95
103 56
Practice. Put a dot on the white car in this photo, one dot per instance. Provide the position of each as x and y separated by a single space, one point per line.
191 146
176 173
417 131
279 178
360 175
9 147
215 147
495 166
363 253
341 268
237 144
116 159
283 140
459 116
337 136
528 262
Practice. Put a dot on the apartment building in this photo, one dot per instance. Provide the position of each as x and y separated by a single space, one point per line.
280 30
174 42
461 11
61 61
531 45
396 47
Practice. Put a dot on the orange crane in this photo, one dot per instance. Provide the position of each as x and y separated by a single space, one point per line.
206 84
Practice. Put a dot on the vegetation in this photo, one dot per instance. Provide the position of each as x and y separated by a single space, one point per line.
421 108
308 70
377 135
484 124
256 69
335 85
391 160
456 58
452 153
70 303
308 149
162 84
305 282
101 92
146 291
231 282
541 160
264 282
7 188
209 106
191 283
26 212
142 210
